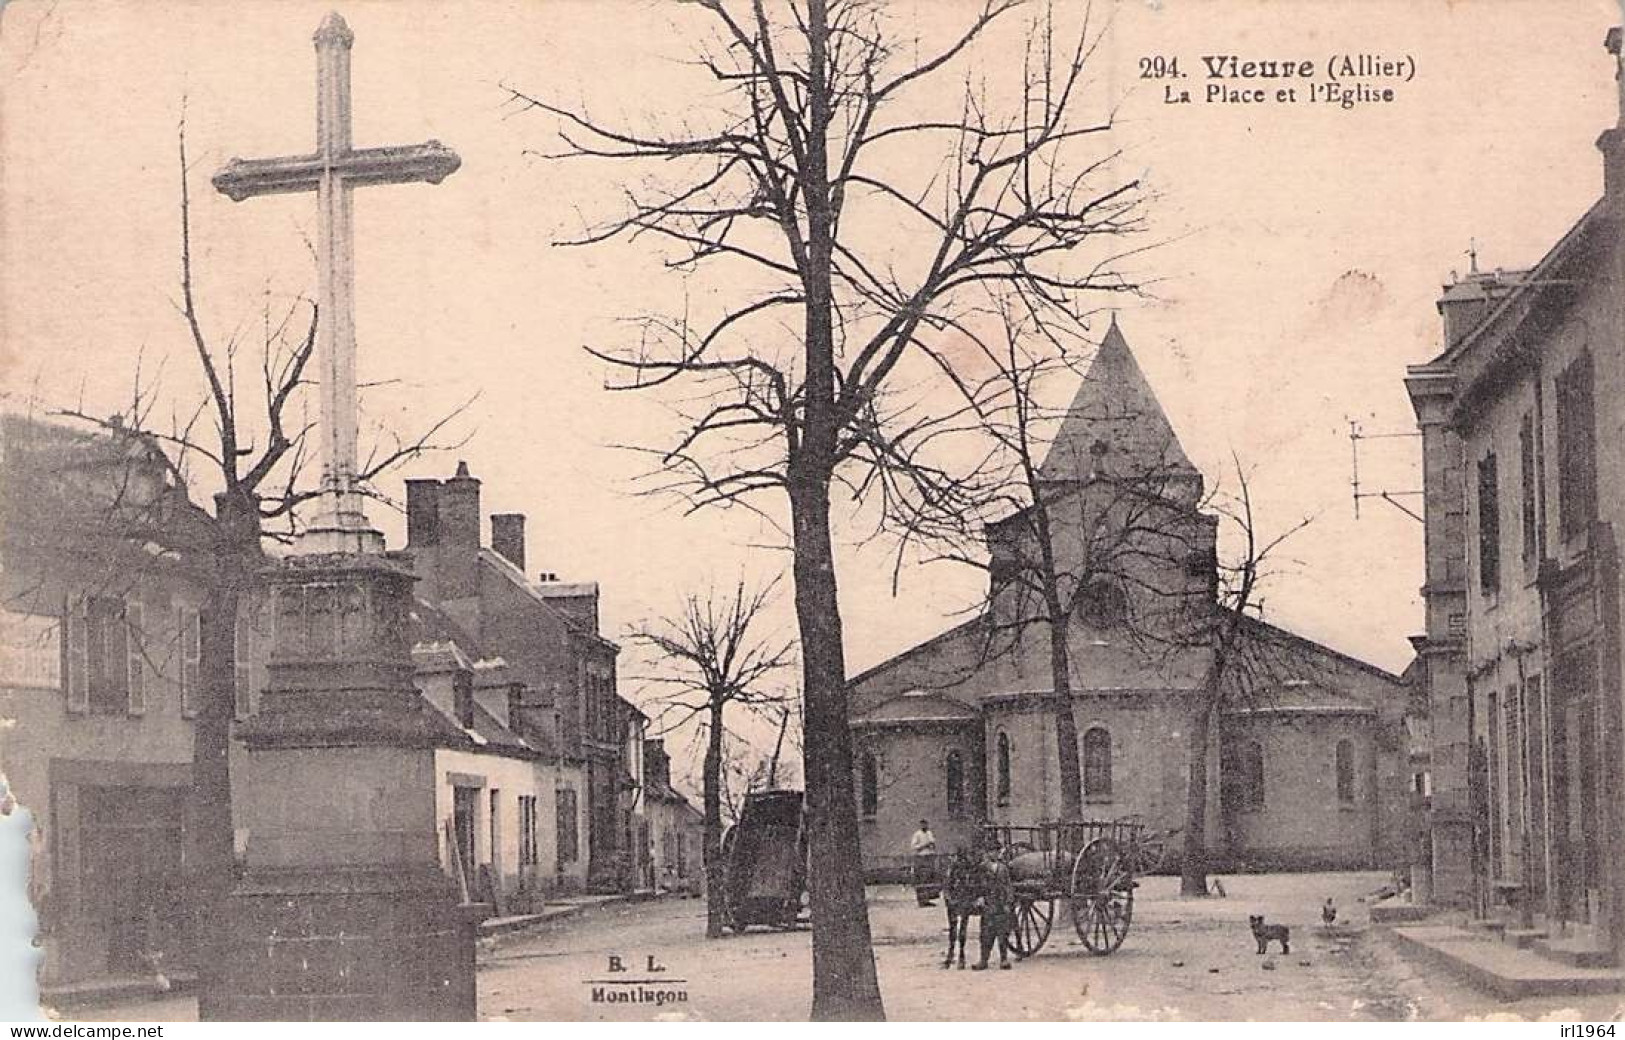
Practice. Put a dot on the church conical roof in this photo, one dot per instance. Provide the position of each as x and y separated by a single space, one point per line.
1114 423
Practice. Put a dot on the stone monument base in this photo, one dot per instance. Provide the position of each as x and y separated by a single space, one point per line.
347 944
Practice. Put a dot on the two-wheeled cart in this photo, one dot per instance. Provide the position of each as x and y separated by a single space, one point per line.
1089 864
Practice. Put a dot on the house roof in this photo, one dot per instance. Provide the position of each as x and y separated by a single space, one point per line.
440 644
1114 421
74 493
576 625
1481 354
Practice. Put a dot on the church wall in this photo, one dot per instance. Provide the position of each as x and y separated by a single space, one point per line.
912 774
1302 823
1147 760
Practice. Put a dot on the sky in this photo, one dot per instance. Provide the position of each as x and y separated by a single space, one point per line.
1299 249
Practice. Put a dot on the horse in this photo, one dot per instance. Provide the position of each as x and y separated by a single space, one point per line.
962 895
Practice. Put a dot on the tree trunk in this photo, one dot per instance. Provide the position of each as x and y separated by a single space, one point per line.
212 850
211 835
1066 721
1060 652
1193 865
715 869
845 986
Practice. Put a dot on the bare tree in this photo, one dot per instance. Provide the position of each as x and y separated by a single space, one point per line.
1246 660
253 446
716 659
847 196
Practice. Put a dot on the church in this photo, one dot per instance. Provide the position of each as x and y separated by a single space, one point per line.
1309 765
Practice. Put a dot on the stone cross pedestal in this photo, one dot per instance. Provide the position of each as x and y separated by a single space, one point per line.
343 911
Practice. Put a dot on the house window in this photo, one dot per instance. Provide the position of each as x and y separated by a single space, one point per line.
868 784
106 657
1345 771
527 830
191 659
1576 449
954 767
242 679
1527 509
568 840
1002 769
1097 763
465 807
1489 525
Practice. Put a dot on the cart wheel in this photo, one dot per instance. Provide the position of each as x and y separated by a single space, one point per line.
1033 918
1102 896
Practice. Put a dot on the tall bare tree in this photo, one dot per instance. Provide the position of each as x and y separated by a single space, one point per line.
716 658
253 447
848 192
1246 659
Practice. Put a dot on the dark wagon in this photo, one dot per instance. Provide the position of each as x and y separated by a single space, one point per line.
764 859
1088 864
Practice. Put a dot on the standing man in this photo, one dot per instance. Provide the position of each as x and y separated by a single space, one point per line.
923 846
998 908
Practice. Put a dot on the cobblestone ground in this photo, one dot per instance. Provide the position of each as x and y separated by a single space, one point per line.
1190 960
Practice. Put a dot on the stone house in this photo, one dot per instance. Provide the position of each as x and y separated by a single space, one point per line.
1521 417
1307 766
98 626
546 632
676 828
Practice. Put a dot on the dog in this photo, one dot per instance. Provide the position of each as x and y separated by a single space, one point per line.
1267 933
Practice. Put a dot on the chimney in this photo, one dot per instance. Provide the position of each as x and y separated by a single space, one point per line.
459 535
460 510
508 537
422 513
1466 301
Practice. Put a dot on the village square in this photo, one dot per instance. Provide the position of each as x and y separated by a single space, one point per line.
764 535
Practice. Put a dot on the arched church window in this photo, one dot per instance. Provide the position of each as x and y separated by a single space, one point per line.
954 768
868 784
1097 763
1345 771
1002 769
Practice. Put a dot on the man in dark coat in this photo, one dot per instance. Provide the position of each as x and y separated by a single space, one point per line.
998 909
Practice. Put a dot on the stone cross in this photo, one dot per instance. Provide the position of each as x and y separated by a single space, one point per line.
333 172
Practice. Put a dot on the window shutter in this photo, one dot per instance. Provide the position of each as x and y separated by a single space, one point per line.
243 656
78 651
190 638
135 649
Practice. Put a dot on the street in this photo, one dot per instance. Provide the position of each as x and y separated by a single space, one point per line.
1183 960
1191 960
